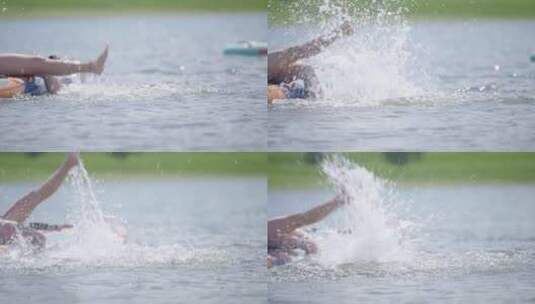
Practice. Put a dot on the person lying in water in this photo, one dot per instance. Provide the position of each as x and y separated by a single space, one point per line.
288 77
283 235
12 227
35 75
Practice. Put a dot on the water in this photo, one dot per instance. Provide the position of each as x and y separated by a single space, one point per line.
167 85
414 85
412 244
182 243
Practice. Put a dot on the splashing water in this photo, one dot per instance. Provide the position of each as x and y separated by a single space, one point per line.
102 239
373 65
377 235
95 235
99 239
366 229
367 68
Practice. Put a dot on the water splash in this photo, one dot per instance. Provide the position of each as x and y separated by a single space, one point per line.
373 235
374 64
99 239
367 229
134 90
95 234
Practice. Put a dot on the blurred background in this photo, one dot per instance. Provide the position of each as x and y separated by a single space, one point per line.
28 8
283 169
279 12
302 169
31 166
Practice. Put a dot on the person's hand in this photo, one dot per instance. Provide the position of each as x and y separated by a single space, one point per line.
73 159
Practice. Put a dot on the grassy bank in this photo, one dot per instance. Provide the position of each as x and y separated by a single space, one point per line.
290 170
36 8
24 166
285 170
280 11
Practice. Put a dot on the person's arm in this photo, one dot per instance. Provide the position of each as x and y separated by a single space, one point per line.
290 223
22 209
17 65
52 84
317 45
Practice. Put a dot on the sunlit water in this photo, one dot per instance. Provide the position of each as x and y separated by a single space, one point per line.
167 84
183 243
409 85
412 244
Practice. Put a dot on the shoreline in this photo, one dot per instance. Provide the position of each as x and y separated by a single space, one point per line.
284 170
66 14
409 10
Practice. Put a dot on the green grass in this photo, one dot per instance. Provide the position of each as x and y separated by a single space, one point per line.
285 170
473 8
32 8
23 166
290 170
281 13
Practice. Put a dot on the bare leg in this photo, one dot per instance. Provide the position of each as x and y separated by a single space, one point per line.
27 65
22 209
280 61
288 224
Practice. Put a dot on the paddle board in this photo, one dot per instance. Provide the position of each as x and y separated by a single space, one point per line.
246 48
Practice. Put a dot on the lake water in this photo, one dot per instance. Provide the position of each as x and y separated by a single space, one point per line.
419 85
167 85
414 244
184 244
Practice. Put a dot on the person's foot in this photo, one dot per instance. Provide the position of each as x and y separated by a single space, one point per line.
98 65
